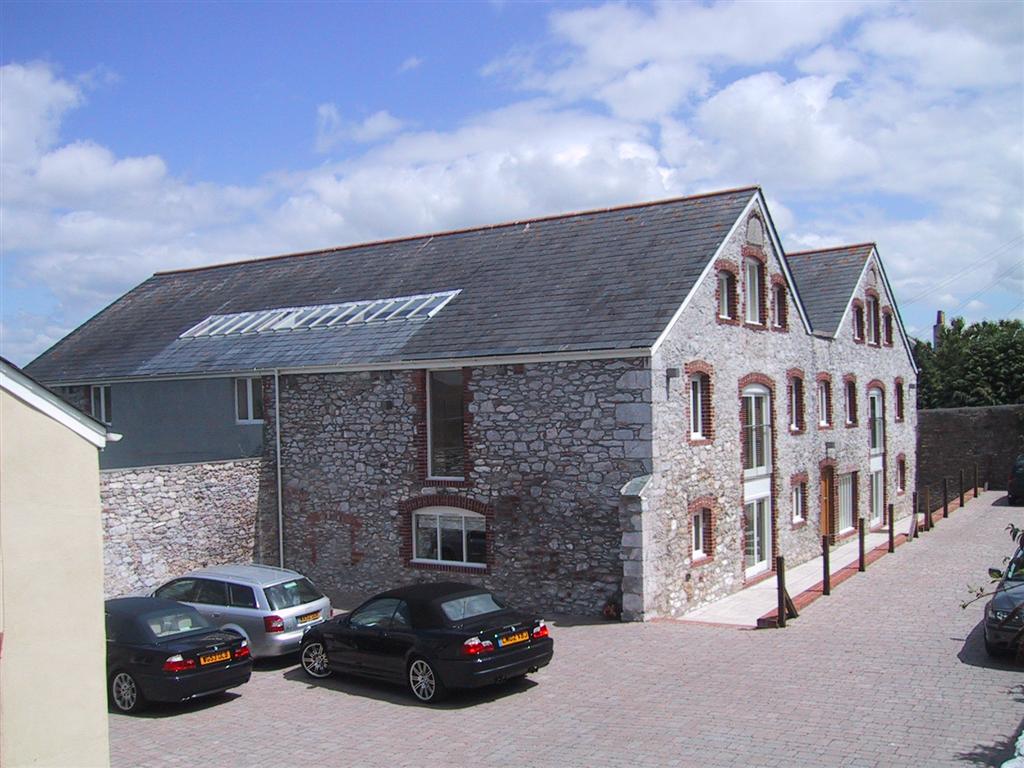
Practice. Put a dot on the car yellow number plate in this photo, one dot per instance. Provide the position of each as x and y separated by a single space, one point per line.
308 617
213 658
518 637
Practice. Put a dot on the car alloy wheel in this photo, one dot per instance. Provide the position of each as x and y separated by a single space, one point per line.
423 681
125 693
314 660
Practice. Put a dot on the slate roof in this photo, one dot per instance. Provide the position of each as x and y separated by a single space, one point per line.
825 280
600 280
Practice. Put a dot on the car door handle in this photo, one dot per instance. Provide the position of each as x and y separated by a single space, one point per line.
214 615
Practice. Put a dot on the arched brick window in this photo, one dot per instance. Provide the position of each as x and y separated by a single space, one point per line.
858 321
700 401
726 292
447 533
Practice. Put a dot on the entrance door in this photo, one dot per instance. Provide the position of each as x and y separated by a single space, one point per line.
828 500
846 501
758 529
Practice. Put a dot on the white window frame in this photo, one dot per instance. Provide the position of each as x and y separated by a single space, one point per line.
753 291
430 442
438 513
876 421
795 411
697 523
249 400
846 497
871 327
778 298
724 294
99 397
754 392
762 514
697 406
799 502
876 497
824 411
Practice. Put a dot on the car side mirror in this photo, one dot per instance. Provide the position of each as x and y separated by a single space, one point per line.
995 573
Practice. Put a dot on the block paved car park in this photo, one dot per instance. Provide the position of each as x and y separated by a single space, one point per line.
889 670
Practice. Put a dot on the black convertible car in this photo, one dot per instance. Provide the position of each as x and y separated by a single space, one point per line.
431 637
161 650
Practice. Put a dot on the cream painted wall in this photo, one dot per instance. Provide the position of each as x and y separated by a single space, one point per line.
53 709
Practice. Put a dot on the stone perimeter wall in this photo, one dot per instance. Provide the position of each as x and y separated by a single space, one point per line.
161 521
550 447
951 439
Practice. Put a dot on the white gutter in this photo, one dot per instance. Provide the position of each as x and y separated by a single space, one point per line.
277 448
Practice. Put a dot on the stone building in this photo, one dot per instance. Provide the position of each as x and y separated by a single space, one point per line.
638 406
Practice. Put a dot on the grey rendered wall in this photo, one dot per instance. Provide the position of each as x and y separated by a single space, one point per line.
177 422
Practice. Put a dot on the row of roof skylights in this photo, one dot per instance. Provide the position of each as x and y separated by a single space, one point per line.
418 307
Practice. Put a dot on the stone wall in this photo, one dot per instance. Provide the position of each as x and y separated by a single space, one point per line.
550 447
161 521
951 439
689 475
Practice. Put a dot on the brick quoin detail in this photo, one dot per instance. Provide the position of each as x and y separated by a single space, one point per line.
773 493
695 506
405 533
419 380
726 265
708 420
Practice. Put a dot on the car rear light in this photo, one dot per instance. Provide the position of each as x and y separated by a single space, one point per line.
541 630
475 646
178 664
273 623
243 651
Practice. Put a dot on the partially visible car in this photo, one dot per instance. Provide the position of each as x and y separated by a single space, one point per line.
160 650
270 607
431 638
1015 483
1004 614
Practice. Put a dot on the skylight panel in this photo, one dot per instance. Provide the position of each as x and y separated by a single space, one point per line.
401 308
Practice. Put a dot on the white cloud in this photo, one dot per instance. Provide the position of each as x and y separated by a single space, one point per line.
413 62
867 141
331 130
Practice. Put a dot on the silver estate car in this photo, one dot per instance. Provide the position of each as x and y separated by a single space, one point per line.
270 607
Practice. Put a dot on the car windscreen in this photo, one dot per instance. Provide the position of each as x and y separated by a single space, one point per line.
469 606
168 623
289 594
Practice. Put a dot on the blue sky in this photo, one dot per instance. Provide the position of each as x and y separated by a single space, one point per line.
143 137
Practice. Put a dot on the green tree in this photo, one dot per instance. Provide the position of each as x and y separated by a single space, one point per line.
978 364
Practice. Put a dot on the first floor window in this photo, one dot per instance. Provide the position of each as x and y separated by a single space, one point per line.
756 418
887 329
248 401
445 439
876 421
700 406
824 403
779 308
800 502
448 535
851 402
899 400
796 404
858 322
702 534
101 403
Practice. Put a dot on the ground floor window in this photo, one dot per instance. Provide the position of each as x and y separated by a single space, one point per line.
901 475
800 502
757 528
847 501
449 535
877 498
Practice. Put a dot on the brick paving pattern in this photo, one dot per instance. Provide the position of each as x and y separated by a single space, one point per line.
888 671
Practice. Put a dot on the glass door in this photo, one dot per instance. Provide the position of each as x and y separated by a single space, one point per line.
877 498
758 529
846 491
